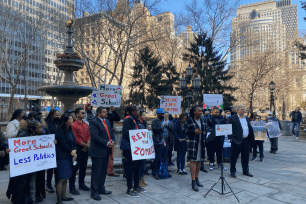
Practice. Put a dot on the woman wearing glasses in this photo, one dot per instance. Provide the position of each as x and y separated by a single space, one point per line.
258 143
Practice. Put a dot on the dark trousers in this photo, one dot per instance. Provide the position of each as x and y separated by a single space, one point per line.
158 156
170 149
98 175
244 148
131 169
50 175
180 160
258 143
81 165
274 143
215 146
142 168
207 150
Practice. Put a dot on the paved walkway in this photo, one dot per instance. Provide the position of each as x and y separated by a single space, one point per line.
281 178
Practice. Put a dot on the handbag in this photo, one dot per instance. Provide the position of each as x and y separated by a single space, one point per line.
163 172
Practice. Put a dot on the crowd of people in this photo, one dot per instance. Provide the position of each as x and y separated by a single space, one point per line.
87 132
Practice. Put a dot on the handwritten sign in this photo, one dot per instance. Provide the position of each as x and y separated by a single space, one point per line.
107 96
31 154
222 130
171 104
212 100
142 146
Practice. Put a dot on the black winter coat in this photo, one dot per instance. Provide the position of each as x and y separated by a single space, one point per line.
65 144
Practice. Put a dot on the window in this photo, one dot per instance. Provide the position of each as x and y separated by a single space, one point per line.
159 19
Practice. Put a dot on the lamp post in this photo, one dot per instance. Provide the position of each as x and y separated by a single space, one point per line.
284 111
186 83
251 104
272 88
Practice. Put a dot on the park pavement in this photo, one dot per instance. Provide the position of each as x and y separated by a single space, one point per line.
281 178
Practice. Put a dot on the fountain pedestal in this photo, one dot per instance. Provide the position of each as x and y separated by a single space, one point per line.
68 93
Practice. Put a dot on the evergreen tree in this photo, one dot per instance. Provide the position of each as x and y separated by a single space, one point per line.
146 84
170 80
207 63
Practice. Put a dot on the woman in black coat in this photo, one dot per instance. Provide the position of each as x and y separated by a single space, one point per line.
65 151
195 129
180 144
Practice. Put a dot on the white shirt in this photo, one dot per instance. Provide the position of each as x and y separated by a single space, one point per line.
244 125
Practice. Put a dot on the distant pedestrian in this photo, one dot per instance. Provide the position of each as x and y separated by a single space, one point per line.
273 141
195 129
296 119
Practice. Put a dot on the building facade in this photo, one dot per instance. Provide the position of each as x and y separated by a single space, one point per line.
273 25
36 35
157 32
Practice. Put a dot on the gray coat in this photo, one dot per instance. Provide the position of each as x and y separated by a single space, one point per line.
157 130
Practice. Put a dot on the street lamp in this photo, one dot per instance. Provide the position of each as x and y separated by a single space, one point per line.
284 111
251 106
272 89
192 88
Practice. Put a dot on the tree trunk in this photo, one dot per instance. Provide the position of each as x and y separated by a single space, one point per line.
11 103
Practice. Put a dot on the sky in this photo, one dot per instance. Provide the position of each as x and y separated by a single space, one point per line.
178 6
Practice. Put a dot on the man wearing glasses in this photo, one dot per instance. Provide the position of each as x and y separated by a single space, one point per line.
82 137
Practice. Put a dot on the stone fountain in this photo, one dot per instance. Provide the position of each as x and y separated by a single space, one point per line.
68 92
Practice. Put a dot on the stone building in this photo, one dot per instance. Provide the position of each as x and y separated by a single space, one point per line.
125 25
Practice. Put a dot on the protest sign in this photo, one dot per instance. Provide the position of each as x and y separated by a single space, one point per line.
212 100
222 130
227 143
142 146
260 135
31 154
273 129
171 104
107 96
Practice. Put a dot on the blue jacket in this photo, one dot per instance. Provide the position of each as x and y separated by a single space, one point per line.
178 134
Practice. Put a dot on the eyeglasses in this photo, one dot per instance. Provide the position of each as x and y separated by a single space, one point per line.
82 113
257 118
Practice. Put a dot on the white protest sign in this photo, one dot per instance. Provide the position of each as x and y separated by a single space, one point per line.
142 146
273 129
211 100
31 154
107 96
171 104
222 130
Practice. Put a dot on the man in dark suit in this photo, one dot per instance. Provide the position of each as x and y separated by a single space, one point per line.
102 141
241 138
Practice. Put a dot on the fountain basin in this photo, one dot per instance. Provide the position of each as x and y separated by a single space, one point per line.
71 64
67 94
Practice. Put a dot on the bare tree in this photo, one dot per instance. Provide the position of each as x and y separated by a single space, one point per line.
118 32
213 17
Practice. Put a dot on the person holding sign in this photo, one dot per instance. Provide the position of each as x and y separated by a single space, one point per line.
180 144
258 143
65 152
241 138
274 140
131 168
215 143
195 129
102 141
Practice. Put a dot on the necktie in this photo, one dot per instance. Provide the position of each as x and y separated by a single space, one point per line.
105 125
